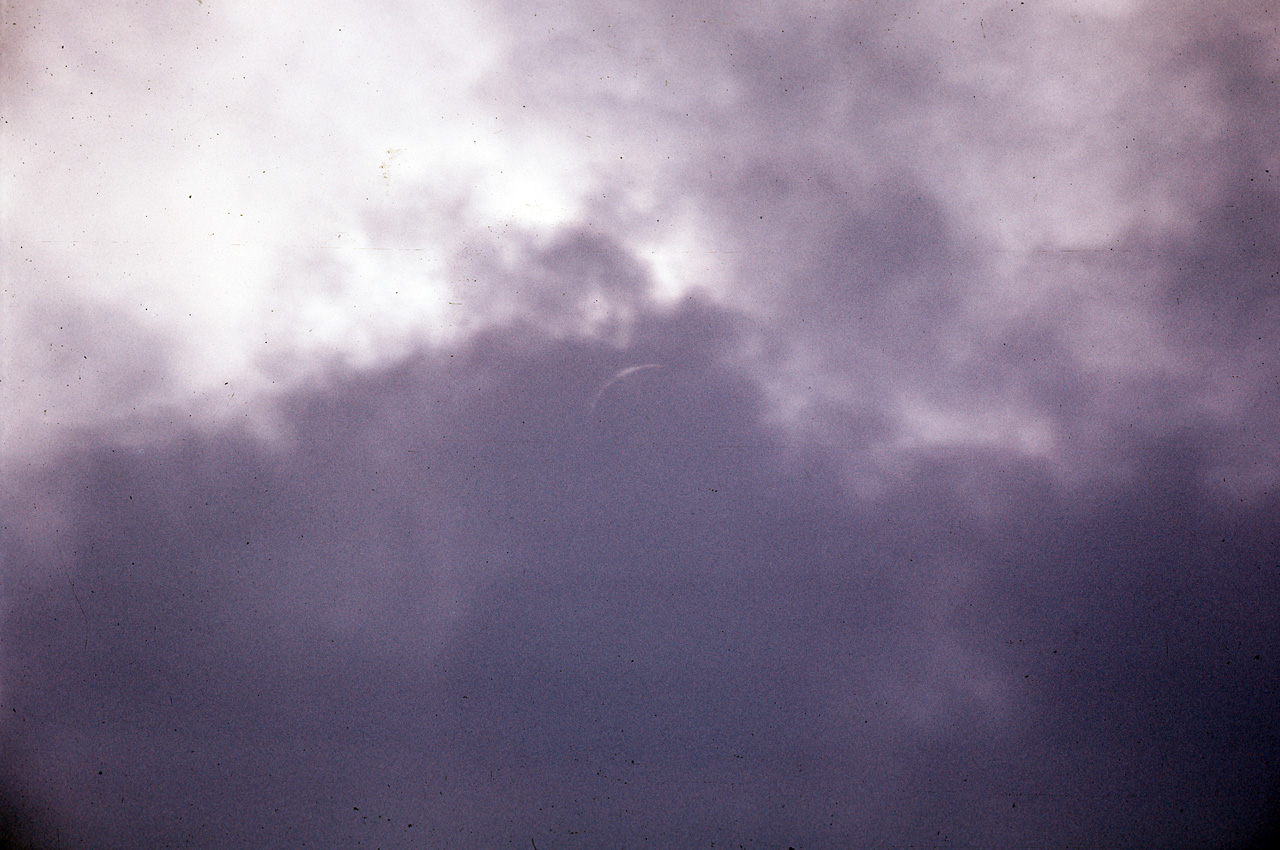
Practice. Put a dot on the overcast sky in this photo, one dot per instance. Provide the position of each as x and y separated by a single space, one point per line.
640 425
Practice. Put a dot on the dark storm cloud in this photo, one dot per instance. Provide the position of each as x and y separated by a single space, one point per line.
463 599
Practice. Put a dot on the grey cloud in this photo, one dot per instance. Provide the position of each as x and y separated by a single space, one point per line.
453 602
947 521
861 166
72 365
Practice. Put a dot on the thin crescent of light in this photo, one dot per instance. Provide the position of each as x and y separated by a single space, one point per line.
618 376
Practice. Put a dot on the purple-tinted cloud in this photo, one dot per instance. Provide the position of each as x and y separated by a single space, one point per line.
805 426
456 601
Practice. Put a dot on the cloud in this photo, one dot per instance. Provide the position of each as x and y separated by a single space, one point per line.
454 603
910 203
947 519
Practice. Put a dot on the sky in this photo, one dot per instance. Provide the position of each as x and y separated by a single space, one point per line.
640 425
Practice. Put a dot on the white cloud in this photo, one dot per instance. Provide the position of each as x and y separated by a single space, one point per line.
265 190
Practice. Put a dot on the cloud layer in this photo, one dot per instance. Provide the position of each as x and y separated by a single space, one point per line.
944 514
